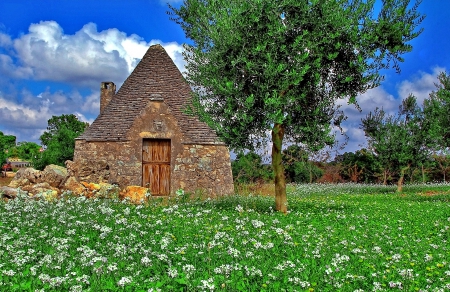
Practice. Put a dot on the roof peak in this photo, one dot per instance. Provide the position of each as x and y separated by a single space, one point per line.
156 46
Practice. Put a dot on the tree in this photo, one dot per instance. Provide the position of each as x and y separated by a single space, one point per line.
298 166
443 163
402 141
361 166
249 168
25 150
6 143
279 66
437 111
59 140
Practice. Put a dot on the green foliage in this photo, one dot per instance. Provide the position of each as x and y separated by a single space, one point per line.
298 167
249 168
6 143
59 140
399 142
361 166
441 165
279 65
25 150
437 111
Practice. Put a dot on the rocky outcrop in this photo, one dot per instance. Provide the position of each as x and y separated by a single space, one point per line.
52 177
55 180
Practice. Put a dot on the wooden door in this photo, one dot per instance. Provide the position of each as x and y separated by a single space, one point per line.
156 166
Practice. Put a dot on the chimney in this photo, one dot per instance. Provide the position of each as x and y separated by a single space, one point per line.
107 91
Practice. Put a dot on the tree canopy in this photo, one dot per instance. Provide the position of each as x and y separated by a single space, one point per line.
249 168
25 150
59 140
6 143
400 141
279 66
437 111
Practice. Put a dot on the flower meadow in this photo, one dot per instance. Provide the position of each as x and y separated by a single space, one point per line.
334 238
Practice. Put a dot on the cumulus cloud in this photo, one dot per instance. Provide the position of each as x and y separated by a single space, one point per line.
421 86
27 118
5 40
85 58
368 101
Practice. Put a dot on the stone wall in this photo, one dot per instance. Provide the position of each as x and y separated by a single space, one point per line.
111 162
203 167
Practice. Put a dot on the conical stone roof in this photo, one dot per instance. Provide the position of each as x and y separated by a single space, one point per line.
156 77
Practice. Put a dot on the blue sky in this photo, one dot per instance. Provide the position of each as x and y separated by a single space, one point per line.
54 54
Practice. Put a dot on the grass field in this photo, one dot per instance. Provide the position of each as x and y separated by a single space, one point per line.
335 238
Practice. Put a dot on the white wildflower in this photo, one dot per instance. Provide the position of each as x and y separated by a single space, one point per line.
124 281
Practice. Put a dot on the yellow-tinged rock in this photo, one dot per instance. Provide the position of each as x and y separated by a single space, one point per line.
74 186
91 186
100 190
50 195
135 194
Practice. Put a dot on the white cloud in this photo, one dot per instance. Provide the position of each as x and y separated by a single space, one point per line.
27 119
85 58
421 86
376 97
5 40
9 69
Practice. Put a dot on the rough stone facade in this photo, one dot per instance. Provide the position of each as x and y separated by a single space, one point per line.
149 108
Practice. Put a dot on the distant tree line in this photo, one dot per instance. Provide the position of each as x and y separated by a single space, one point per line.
58 143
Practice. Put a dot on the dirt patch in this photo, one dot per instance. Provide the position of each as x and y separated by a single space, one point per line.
262 189
4 181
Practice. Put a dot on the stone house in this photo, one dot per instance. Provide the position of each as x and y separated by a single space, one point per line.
143 136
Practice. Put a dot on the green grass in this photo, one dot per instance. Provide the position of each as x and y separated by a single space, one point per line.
335 238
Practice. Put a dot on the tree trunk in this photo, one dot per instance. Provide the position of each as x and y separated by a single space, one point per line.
310 173
401 178
423 175
385 177
400 183
278 169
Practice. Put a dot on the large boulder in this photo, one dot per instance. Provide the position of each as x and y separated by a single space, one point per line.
100 190
54 175
26 176
43 187
8 192
18 183
74 186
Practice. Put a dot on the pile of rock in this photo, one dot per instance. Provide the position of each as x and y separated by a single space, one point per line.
55 180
